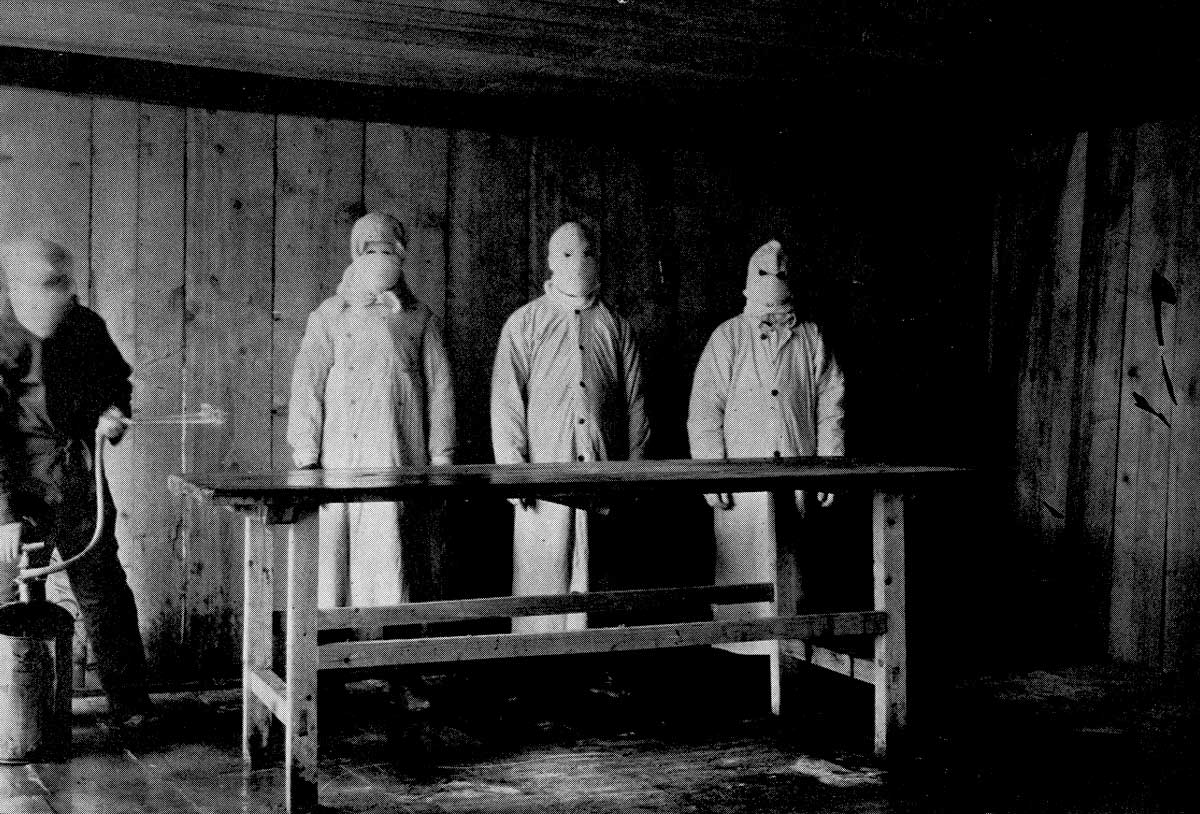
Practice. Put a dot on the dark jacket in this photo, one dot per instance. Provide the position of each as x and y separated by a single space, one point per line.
83 372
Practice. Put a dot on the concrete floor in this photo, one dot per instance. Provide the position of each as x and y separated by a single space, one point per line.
671 732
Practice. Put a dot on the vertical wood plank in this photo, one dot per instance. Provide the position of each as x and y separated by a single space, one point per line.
155 515
1046 384
1181 603
566 182
113 233
1103 272
318 194
300 749
706 269
488 261
891 669
256 636
1140 517
406 175
114 208
632 278
230 213
1055 377
45 166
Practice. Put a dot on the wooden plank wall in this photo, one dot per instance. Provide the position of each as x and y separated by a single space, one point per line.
205 238
1094 319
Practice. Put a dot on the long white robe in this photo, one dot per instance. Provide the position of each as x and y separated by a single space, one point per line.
566 386
760 392
370 388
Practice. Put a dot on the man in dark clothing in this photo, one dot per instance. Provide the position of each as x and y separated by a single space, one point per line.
61 380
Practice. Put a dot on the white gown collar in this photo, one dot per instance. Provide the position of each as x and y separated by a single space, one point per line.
567 301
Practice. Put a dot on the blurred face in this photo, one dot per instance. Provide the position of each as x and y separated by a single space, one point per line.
572 262
40 293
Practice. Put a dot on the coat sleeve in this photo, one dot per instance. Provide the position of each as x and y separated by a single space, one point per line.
439 395
831 390
118 389
710 387
510 377
306 409
635 402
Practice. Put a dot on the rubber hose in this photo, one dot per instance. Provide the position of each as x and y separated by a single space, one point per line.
98 463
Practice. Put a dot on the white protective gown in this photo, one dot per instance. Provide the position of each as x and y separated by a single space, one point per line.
567 386
760 392
371 388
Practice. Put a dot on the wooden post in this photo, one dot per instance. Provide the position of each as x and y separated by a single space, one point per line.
256 637
891 679
300 752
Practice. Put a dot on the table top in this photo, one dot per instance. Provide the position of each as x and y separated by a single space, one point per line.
604 479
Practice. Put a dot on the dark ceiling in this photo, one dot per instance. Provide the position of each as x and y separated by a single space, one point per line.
1009 61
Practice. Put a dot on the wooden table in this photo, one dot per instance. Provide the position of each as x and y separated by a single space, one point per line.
272 500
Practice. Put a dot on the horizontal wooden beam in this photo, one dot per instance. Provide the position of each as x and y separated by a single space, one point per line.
459 46
391 652
506 606
859 669
270 689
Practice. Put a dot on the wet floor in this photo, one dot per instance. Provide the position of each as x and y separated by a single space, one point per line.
684 733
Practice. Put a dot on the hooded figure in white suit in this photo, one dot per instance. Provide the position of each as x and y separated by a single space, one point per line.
371 387
566 386
766 386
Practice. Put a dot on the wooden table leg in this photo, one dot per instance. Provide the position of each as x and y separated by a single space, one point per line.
891 671
782 566
300 753
256 638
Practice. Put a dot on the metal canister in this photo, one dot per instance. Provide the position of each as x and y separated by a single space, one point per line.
35 682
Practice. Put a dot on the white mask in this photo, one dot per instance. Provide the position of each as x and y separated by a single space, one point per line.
767 283
572 261
376 273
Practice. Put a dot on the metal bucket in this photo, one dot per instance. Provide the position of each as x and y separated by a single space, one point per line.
35 682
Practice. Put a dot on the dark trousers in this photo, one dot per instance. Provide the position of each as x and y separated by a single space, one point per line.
57 501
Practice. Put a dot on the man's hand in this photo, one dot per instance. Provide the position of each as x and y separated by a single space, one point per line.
112 424
10 542
719 500
824 499
523 502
